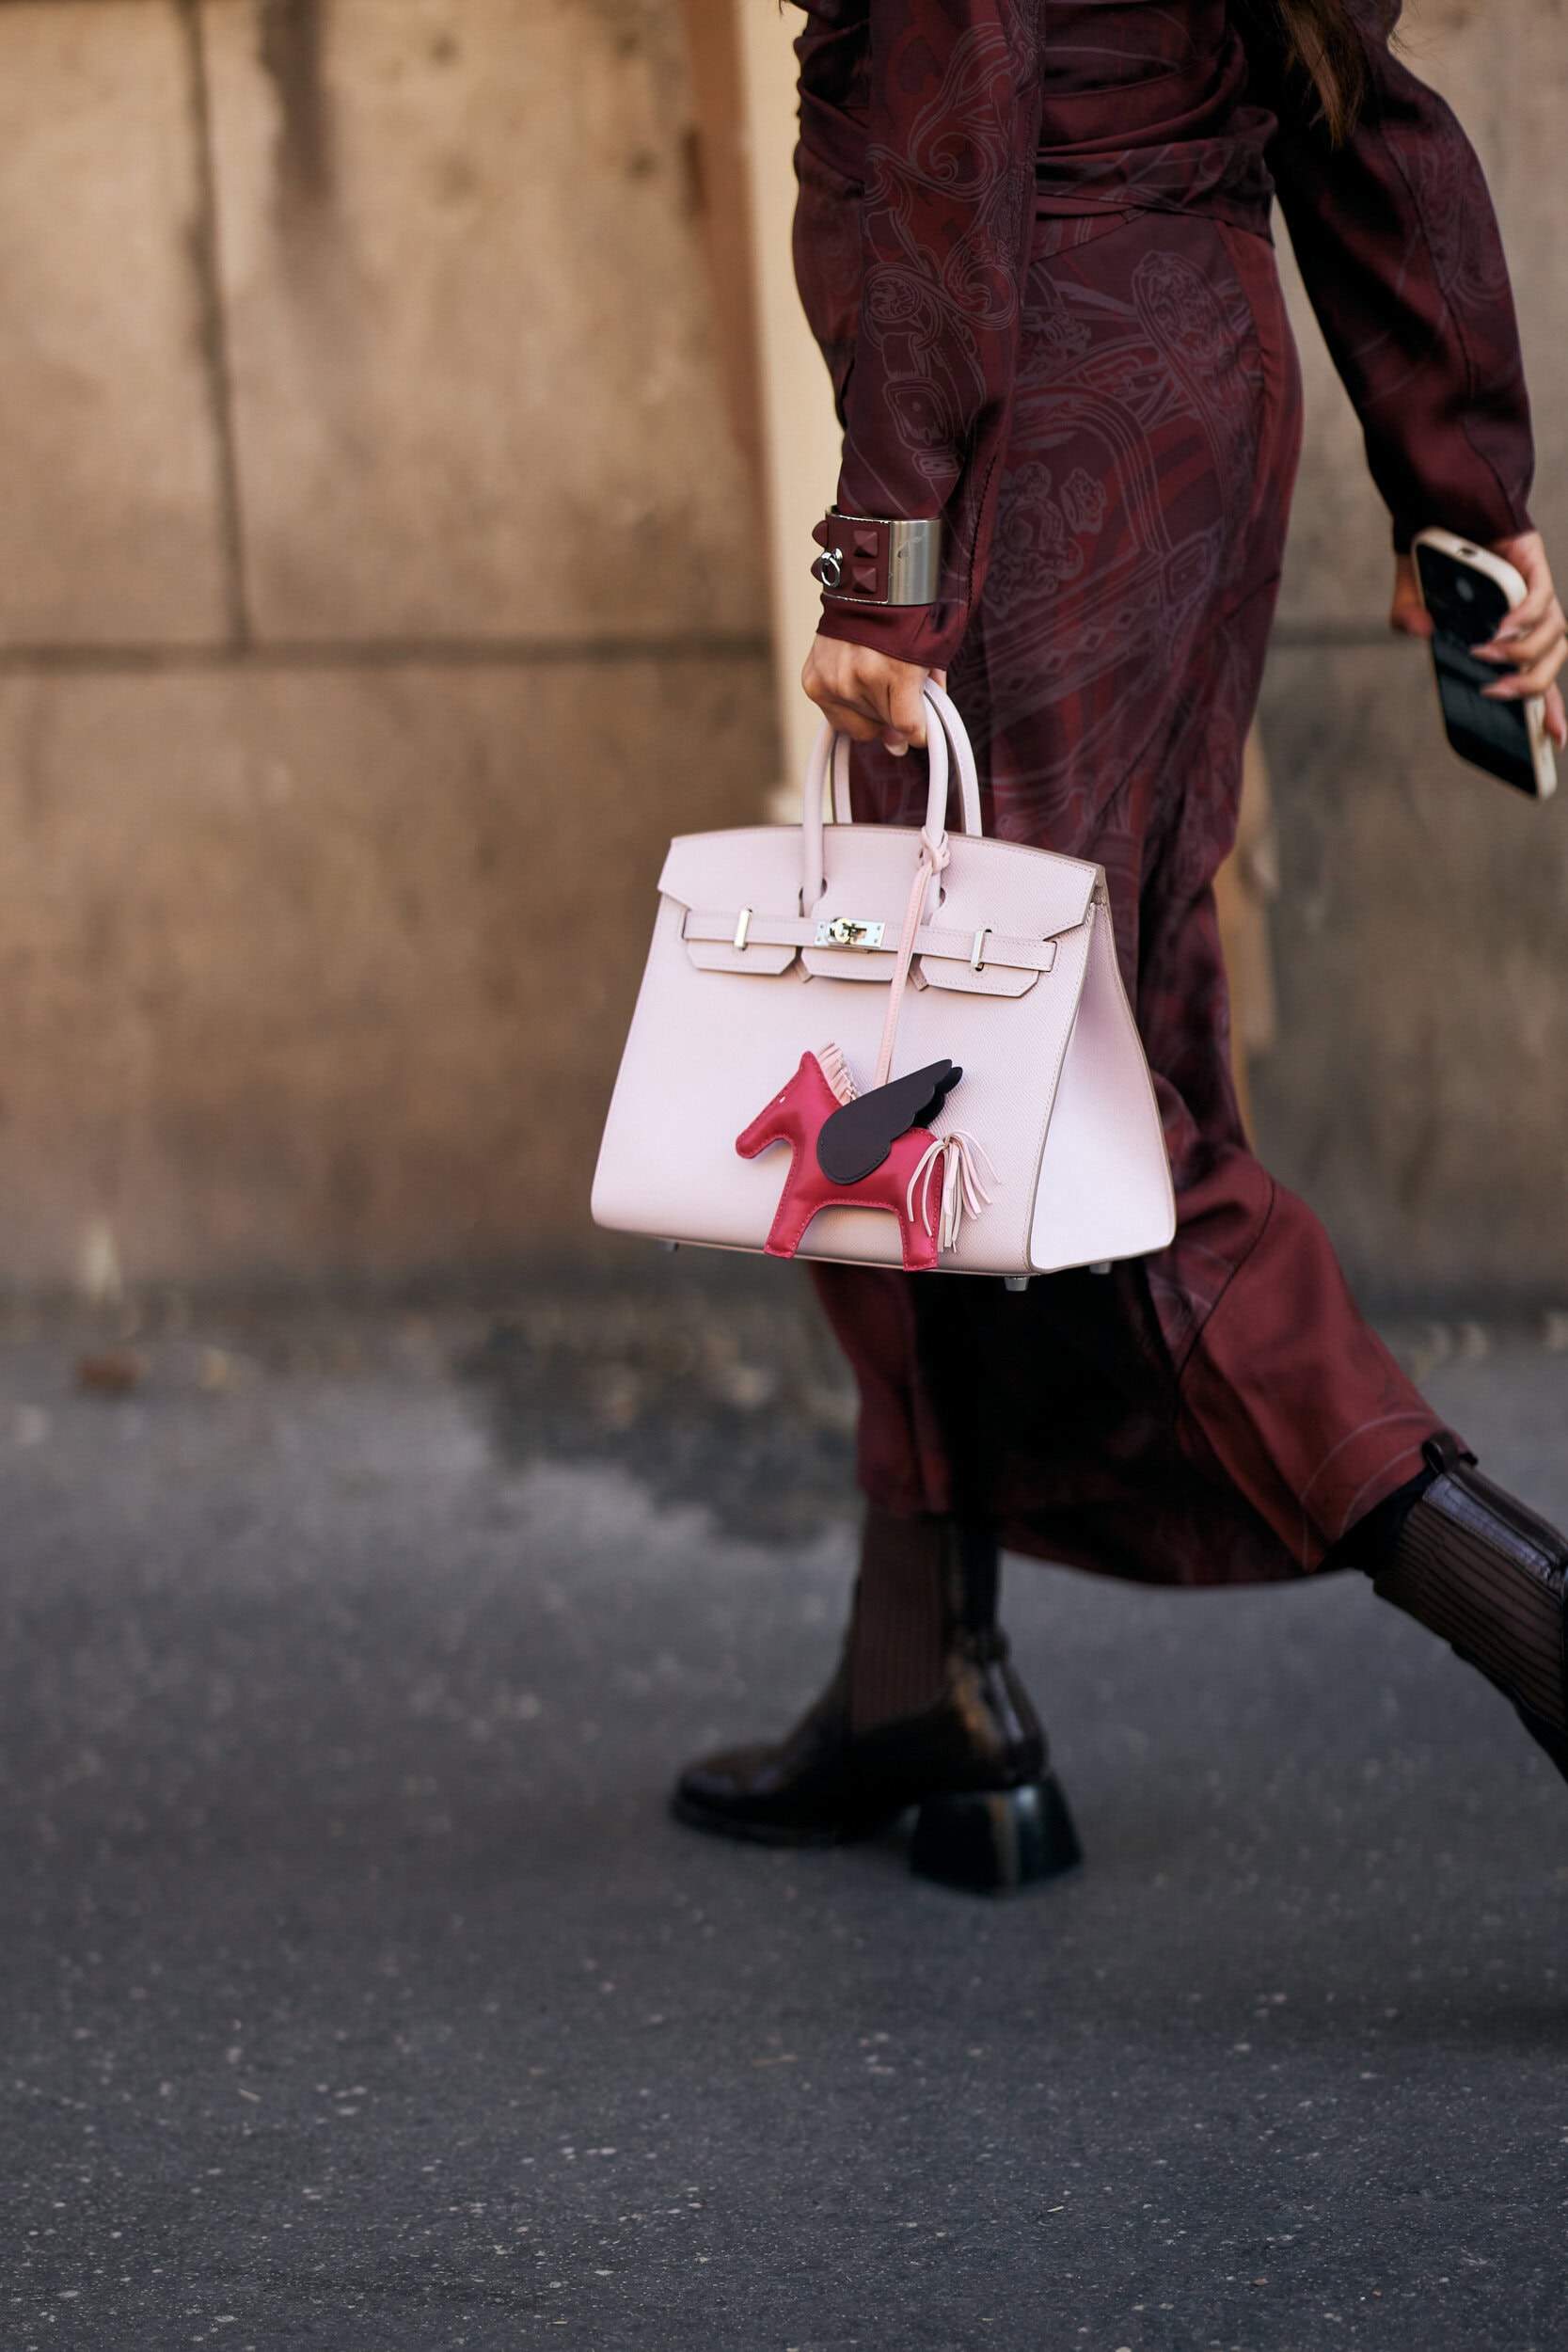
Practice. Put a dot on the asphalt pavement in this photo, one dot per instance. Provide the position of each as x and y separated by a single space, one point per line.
356 1992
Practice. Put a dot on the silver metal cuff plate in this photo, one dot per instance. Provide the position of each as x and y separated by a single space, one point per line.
868 559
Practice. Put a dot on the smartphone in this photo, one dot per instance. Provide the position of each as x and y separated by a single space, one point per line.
1469 593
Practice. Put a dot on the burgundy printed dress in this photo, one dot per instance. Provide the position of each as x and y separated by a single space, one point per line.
1033 239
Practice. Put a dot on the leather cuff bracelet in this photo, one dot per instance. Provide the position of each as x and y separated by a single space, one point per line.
866 560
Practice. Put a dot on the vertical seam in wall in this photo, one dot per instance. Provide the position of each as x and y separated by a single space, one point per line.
214 326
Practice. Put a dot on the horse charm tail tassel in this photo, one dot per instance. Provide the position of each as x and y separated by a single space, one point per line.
956 1156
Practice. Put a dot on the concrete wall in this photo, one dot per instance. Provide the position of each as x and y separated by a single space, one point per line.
379 589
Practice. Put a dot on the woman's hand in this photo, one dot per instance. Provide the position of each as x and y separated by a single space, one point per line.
869 695
1408 616
1534 637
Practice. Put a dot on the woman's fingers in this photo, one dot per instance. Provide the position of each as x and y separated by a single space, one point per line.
1407 614
1556 718
1528 555
865 694
1525 620
906 702
1526 644
1526 683
1536 625
1525 617
1533 641
849 719
830 681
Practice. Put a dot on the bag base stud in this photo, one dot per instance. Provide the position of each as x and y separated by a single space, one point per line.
1014 1281
994 1841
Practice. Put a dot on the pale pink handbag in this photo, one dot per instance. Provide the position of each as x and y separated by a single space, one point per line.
787 1081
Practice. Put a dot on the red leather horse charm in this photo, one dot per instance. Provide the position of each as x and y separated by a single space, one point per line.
796 1117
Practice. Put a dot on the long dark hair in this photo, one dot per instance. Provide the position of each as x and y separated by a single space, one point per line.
1322 47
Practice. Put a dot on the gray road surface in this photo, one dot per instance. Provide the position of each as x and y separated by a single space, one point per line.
356 1993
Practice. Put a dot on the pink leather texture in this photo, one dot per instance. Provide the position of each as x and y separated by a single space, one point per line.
1055 1087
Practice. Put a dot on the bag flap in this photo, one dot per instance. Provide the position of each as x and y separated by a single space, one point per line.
753 865
1006 884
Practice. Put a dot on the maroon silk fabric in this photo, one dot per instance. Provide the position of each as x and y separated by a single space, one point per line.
1033 243
937 135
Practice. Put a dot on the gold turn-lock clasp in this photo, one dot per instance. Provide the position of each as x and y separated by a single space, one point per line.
843 931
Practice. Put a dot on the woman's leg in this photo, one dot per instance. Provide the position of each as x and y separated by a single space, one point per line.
1486 1574
925 1709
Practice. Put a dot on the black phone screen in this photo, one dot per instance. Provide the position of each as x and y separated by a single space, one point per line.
1467 609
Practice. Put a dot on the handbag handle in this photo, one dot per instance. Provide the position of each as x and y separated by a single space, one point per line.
962 751
844 813
949 730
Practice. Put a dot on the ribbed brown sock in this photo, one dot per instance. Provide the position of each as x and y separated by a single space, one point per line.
896 1632
1487 1575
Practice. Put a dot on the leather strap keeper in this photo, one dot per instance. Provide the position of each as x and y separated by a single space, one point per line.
868 559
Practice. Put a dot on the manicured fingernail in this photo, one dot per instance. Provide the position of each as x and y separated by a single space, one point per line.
899 751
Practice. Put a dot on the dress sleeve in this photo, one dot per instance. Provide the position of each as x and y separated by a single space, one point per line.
1399 250
952 119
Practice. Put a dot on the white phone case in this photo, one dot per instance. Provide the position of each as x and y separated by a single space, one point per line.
1511 581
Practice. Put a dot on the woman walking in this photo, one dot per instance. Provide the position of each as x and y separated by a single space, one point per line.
1033 240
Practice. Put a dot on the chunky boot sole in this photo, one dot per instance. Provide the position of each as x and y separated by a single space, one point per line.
764 1833
994 1842
991 1841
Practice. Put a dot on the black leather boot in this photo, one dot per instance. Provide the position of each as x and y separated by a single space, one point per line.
1490 1576
967 1748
